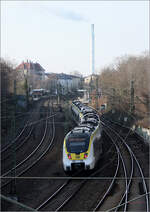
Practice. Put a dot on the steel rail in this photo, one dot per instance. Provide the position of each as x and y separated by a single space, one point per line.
23 161
79 187
30 166
131 175
73 193
18 136
57 191
20 145
127 183
112 182
53 195
30 124
31 153
140 169
136 134
9 145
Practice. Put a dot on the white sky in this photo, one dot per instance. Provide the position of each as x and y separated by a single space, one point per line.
57 34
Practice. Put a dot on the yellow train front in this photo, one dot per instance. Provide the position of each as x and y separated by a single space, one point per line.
82 148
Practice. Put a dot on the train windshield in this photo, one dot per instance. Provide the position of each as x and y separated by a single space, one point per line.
77 145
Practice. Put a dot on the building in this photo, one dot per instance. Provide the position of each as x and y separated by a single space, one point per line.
51 82
33 71
88 79
68 82
62 83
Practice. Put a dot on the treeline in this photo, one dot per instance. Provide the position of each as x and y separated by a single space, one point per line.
8 103
115 82
8 74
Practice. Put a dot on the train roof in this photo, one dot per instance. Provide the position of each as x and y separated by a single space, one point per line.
88 111
75 102
91 115
81 131
91 121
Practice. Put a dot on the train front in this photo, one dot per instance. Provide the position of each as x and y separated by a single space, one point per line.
77 150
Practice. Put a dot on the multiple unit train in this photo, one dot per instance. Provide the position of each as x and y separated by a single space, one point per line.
83 145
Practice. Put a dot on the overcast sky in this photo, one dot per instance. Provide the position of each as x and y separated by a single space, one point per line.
57 34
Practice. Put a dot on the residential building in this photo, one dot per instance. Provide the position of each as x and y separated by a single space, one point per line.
33 71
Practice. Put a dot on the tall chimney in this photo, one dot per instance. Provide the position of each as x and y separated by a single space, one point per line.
93 49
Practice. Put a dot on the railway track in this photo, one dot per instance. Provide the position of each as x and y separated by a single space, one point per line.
101 198
67 192
69 189
17 138
34 157
25 126
127 176
7 154
22 139
137 164
53 203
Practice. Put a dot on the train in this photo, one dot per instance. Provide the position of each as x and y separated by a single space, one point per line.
83 145
37 94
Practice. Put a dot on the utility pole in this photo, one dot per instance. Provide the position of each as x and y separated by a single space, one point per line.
27 92
113 96
113 99
26 88
132 105
13 191
58 94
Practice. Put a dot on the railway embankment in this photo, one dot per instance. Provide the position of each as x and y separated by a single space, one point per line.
129 121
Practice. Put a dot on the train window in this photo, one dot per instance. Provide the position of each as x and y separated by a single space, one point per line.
74 144
77 145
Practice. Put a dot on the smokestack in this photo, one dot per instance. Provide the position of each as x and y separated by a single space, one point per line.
93 49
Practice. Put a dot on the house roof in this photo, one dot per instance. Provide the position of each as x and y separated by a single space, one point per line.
30 66
61 76
51 75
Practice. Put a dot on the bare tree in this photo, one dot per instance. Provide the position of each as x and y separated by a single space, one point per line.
119 77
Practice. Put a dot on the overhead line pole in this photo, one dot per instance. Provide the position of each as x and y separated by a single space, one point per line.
13 191
132 105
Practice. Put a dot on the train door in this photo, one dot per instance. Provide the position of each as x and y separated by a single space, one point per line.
96 148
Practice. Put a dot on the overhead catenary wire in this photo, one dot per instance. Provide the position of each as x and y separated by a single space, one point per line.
16 203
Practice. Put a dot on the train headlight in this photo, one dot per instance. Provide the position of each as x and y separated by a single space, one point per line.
85 155
81 115
69 156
